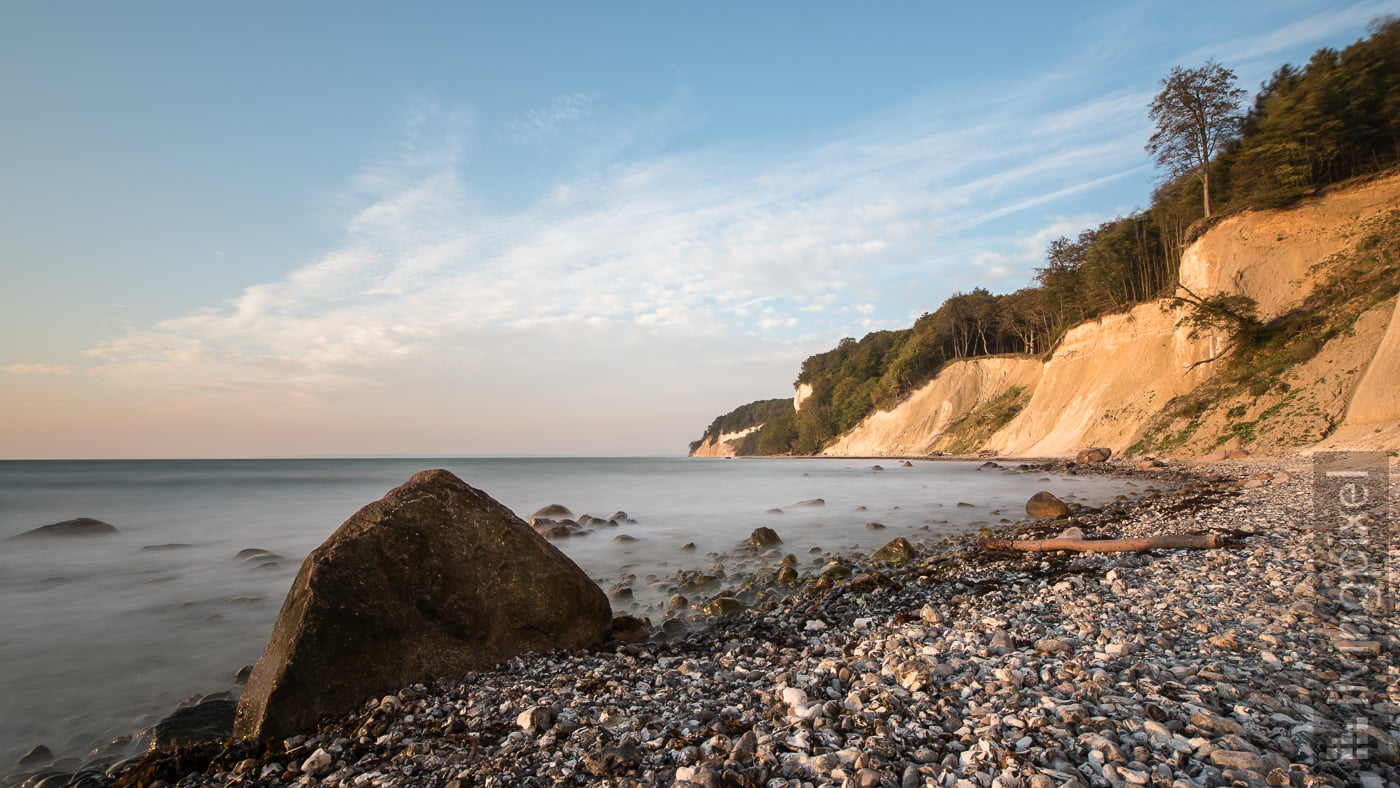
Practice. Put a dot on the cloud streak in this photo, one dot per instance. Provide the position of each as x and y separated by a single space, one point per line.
681 246
536 123
38 369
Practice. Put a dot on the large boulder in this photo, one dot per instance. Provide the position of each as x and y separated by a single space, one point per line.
433 580
82 526
1096 454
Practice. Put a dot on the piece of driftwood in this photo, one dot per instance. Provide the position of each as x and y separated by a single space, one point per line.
1166 542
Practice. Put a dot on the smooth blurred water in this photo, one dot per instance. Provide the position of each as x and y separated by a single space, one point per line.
101 636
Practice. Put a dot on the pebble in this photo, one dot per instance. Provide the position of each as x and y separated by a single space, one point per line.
957 668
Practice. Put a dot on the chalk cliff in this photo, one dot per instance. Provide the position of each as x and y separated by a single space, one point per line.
720 445
1120 381
956 394
1105 378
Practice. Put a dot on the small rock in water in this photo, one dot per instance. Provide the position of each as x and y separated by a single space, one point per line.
553 511
37 756
812 502
764 537
898 549
725 606
210 720
631 629
1046 505
81 526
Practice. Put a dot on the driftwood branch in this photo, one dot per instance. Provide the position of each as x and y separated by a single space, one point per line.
1169 541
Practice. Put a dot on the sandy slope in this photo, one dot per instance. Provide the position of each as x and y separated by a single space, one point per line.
1107 377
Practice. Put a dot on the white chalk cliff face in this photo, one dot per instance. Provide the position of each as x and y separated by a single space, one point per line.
720 446
804 390
1107 377
958 391
1104 380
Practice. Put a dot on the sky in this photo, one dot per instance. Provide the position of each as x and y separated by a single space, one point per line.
267 229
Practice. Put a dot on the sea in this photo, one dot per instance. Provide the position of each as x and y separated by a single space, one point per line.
102 636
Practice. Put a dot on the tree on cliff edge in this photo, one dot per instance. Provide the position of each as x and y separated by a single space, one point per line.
1196 114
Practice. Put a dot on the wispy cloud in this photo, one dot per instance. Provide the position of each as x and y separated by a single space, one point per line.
38 369
1266 45
536 123
688 262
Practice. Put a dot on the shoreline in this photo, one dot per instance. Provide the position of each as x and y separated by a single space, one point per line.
959 665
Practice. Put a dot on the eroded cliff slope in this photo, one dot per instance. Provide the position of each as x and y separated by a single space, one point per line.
1323 269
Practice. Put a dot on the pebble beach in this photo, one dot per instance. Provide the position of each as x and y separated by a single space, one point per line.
1269 661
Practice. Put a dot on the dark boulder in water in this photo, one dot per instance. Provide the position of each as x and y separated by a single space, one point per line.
897 550
554 511
82 526
435 579
631 629
764 537
1044 504
209 720
37 756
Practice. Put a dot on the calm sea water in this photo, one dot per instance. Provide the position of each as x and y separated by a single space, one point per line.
102 636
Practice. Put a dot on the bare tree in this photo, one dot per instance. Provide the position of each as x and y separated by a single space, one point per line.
1196 114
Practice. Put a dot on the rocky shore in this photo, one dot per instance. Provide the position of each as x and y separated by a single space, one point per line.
1271 661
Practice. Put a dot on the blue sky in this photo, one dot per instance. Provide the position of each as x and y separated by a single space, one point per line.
331 228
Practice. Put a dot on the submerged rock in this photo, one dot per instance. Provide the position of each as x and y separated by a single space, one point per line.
433 580
209 720
81 526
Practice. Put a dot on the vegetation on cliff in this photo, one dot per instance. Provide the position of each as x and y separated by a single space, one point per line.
1334 119
1251 398
753 414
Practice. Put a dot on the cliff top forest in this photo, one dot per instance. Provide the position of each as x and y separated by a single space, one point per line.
1334 119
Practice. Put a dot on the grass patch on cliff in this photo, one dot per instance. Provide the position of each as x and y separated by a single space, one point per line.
968 434
1352 283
